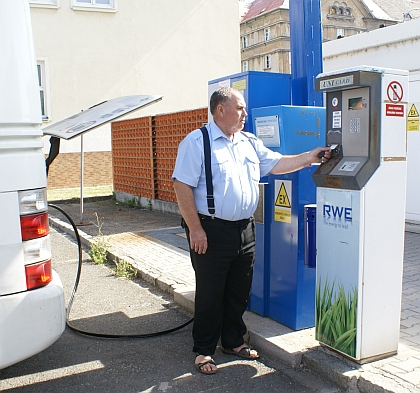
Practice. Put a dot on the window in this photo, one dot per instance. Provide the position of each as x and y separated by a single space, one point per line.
336 10
340 33
45 3
95 5
267 62
244 66
244 41
43 89
267 34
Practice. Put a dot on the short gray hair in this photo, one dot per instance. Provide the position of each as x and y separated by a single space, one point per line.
220 96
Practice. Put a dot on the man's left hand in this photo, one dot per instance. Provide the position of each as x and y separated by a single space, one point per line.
320 155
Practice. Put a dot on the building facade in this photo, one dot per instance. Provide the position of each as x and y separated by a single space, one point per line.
265 29
265 37
89 51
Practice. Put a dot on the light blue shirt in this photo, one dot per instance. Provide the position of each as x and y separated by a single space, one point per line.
236 168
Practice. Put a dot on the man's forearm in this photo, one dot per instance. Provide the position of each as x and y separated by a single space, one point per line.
291 163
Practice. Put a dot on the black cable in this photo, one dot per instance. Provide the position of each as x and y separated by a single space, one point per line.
76 284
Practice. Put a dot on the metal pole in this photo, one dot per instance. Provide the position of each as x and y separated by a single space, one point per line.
305 50
81 178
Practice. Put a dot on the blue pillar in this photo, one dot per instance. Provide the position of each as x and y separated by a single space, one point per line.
306 50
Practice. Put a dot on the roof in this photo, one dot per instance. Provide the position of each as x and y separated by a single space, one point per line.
259 7
375 10
396 9
379 9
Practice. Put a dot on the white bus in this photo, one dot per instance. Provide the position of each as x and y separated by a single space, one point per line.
32 308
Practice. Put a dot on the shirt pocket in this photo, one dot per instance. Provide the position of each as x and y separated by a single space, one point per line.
221 166
252 164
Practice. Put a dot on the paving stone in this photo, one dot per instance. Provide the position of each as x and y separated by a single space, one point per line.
410 321
391 369
412 377
407 365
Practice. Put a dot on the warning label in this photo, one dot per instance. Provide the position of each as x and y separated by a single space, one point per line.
282 203
413 118
282 197
395 110
395 91
239 85
413 111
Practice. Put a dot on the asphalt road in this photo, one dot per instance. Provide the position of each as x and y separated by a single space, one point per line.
111 305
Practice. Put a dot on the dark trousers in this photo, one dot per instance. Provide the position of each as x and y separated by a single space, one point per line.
223 283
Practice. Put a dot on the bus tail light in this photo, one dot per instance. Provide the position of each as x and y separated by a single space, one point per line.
34 226
35 231
38 274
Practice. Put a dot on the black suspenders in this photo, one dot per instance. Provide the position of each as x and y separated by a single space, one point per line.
207 167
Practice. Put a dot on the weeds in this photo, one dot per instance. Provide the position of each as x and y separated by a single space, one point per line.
134 202
98 250
124 269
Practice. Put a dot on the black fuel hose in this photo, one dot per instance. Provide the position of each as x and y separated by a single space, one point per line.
76 284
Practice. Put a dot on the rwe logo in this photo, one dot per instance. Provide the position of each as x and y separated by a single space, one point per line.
339 212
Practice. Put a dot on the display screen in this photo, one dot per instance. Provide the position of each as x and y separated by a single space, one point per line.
356 103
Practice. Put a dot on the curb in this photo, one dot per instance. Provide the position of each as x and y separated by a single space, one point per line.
293 348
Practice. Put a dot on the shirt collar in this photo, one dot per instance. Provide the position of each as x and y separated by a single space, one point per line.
216 132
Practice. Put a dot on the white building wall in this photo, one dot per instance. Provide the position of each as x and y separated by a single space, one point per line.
154 47
398 47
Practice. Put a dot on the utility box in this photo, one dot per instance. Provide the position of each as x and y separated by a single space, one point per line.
359 229
258 88
283 287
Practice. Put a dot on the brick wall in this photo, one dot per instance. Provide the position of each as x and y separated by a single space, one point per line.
144 152
132 156
64 172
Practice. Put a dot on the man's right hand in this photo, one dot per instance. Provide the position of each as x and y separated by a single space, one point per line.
198 240
185 197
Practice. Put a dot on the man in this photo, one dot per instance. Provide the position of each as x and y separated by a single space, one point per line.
222 247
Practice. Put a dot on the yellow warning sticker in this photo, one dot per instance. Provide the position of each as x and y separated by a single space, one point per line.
412 124
283 216
282 202
282 198
239 85
413 111
413 117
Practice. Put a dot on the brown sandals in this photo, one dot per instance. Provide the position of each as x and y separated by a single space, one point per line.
244 353
199 366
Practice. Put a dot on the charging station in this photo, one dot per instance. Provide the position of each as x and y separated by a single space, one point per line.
283 286
361 212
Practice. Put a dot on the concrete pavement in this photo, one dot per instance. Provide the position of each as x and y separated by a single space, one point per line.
155 245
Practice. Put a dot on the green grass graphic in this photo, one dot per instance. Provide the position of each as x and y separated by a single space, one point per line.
336 318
